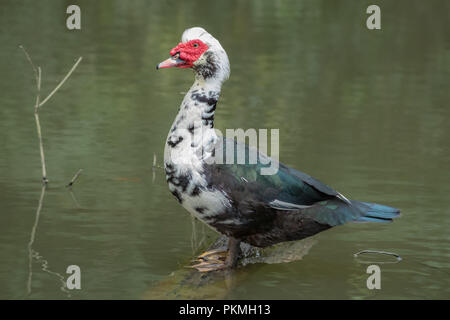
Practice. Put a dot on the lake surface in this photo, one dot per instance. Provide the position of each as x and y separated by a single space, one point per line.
366 112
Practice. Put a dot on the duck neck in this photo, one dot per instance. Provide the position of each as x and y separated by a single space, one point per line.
198 105
193 129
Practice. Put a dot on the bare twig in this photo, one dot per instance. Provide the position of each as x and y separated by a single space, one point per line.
31 62
193 235
38 75
38 124
155 165
38 103
61 83
75 177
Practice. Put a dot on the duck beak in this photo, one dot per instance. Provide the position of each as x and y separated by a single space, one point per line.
171 62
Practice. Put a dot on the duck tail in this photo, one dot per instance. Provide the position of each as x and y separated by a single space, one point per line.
374 212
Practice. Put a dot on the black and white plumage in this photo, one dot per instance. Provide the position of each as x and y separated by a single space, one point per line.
235 199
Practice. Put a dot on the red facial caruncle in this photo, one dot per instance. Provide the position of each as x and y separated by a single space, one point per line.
189 51
184 54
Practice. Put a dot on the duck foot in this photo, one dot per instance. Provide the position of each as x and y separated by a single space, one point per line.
219 259
215 254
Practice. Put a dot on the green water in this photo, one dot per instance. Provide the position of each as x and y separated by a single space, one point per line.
366 112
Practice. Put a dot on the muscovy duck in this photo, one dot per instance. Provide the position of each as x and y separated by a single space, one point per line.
235 199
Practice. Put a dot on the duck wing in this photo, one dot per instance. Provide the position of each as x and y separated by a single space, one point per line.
287 189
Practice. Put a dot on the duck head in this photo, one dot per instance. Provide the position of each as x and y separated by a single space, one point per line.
202 52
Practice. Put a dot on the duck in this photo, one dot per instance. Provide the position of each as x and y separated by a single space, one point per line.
236 199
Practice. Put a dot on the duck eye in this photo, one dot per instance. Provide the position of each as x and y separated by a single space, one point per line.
195 45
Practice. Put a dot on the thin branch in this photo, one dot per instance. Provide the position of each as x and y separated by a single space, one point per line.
155 165
193 235
75 177
61 83
41 146
38 75
31 62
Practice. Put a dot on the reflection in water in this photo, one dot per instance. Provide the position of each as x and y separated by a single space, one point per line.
33 254
32 237
74 198
188 283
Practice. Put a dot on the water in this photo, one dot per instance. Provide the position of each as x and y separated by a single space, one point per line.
364 111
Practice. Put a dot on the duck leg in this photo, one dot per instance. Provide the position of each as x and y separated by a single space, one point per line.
234 250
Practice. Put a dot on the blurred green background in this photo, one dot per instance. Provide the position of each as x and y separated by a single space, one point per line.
366 112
